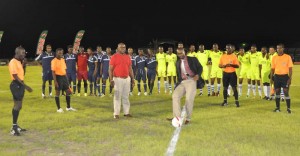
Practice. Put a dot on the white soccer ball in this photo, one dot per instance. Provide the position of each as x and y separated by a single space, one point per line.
177 122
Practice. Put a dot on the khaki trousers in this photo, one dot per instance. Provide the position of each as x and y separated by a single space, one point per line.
121 94
189 89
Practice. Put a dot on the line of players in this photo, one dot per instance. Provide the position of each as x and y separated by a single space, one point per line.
93 67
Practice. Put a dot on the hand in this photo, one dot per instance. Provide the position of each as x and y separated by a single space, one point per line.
196 77
56 84
289 81
28 88
94 74
112 83
271 81
132 83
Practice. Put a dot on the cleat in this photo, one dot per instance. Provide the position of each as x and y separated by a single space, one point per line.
60 110
139 93
21 129
70 109
213 94
128 115
102 95
282 99
218 94
276 110
116 117
145 93
237 103
85 94
224 104
130 94
200 94
208 94
289 111
43 96
14 131
50 95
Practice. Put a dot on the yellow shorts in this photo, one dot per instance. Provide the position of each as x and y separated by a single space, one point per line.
205 73
171 72
255 74
245 73
216 73
161 72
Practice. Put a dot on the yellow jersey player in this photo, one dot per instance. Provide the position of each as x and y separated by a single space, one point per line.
161 68
216 72
244 59
265 70
171 59
202 56
255 76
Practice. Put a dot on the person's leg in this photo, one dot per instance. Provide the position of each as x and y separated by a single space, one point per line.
249 87
138 78
103 86
166 83
43 88
85 85
219 86
79 86
191 91
145 86
240 86
170 83
226 80
212 85
176 97
233 83
117 96
98 86
158 84
253 87
50 88
259 88
287 99
124 94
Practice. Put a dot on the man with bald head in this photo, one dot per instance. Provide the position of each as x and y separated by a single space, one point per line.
17 87
119 71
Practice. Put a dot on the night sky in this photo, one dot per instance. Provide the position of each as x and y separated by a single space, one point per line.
137 23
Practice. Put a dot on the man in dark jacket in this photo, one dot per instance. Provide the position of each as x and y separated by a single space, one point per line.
189 71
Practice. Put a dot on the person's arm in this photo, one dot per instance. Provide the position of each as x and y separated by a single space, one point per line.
290 76
272 74
110 72
21 82
96 67
54 79
131 75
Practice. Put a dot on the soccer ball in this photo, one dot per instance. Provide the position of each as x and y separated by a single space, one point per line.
177 122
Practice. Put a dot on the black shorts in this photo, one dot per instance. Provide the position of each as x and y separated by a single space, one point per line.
280 81
63 83
229 79
17 90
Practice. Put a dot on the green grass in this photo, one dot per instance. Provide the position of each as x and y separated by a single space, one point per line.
252 129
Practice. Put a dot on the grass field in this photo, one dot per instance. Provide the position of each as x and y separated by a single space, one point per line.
252 129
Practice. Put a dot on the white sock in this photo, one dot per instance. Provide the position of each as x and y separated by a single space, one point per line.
268 91
240 89
254 90
166 85
248 90
259 90
265 91
219 87
208 88
228 90
158 85
212 88
281 93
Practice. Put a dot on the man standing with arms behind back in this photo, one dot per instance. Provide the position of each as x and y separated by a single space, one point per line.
119 71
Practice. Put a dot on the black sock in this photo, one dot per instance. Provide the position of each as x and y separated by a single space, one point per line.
139 87
79 87
225 95
103 88
85 86
95 88
15 114
91 88
68 99
236 96
57 102
151 85
43 89
145 87
98 88
74 89
277 101
50 89
288 103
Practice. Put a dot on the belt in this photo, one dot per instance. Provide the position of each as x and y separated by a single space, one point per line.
121 77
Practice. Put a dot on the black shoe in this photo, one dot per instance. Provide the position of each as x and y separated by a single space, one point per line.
150 93
282 99
14 131
169 119
224 104
116 117
200 94
21 129
127 115
289 111
265 98
237 103
276 110
208 94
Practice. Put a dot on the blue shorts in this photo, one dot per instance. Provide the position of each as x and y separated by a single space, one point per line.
105 75
91 77
151 74
71 77
47 75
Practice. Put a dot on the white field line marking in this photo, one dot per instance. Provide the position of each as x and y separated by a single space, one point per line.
175 137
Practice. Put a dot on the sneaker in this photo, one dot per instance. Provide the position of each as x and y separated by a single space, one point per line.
139 93
130 94
70 109
213 94
60 110
265 98
50 95
128 115
200 94
187 122
116 117
145 93
282 99
289 111
102 95
14 131
237 103
43 96
276 110
85 94
208 94
224 104
78 94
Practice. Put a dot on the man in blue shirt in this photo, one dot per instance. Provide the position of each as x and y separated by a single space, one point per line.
133 65
151 65
140 72
92 73
99 54
71 60
45 59
104 70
